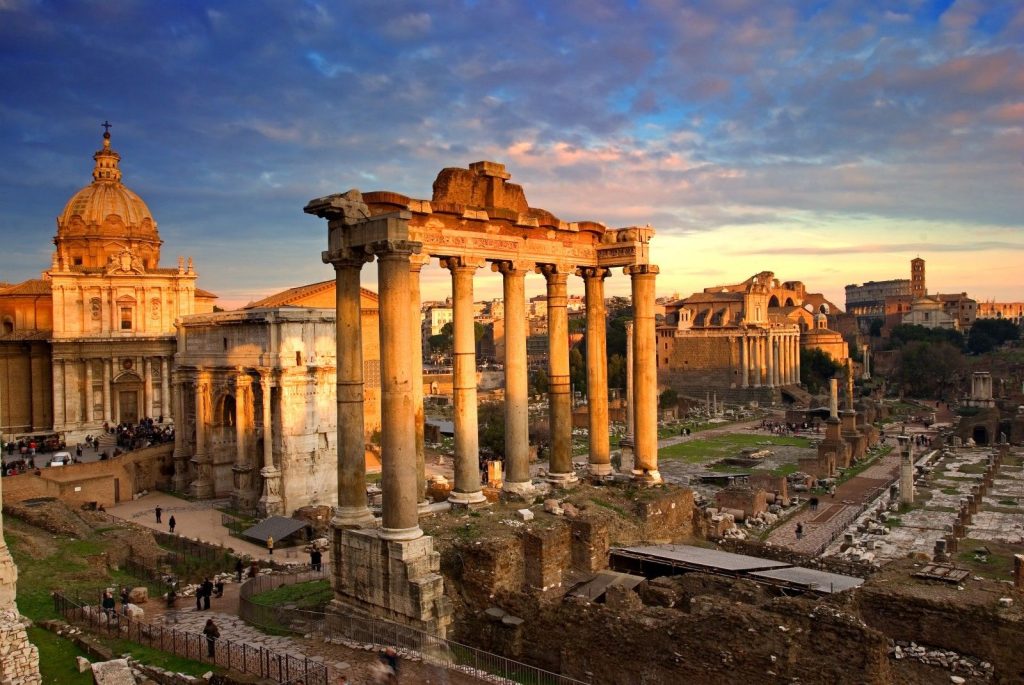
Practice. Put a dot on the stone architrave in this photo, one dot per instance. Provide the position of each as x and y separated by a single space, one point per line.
597 372
560 471
467 440
645 373
517 428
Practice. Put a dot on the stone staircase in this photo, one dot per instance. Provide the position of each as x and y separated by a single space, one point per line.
799 395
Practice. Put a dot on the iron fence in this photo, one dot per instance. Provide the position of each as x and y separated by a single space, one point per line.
335 627
228 654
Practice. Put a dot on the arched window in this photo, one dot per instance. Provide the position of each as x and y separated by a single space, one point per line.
227 412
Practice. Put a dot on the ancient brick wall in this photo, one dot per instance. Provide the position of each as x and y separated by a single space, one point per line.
19 658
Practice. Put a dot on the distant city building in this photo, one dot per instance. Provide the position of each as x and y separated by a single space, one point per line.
1011 311
868 302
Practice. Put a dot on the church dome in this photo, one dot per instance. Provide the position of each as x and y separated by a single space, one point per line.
106 218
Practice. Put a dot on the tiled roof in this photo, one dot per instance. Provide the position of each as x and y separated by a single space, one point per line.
293 296
33 286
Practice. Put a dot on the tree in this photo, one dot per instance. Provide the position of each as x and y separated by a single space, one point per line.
616 371
931 369
816 368
875 330
577 370
669 399
988 334
491 427
539 381
905 333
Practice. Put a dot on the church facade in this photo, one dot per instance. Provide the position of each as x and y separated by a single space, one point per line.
92 341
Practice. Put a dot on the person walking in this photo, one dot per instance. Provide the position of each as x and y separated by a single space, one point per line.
316 559
125 600
239 567
207 593
199 596
270 545
170 523
159 511
211 632
799 530
108 604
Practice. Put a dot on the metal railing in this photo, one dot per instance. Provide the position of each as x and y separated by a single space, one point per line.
362 630
229 654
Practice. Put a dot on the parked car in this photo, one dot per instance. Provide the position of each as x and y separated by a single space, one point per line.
60 458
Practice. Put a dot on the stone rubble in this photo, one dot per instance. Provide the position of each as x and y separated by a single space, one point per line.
943 658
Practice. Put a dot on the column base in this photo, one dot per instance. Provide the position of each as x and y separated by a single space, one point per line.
201 489
423 507
646 477
353 517
562 480
269 506
600 471
467 499
400 534
525 489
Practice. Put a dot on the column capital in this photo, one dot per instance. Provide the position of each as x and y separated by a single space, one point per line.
641 270
507 267
243 379
346 258
454 264
555 272
417 261
588 272
394 249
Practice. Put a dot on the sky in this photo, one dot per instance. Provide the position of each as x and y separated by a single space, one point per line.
828 142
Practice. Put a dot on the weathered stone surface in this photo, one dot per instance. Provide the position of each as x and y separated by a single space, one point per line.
83 664
524 514
138 595
113 672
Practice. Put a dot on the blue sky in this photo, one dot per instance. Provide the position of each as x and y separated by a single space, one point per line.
829 142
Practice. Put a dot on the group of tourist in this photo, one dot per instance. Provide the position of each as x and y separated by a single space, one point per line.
783 428
143 434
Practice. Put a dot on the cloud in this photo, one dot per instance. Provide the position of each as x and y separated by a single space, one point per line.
891 248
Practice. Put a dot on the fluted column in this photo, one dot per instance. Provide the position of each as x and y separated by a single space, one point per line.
398 432
58 394
744 361
797 369
755 348
777 354
770 359
416 264
467 440
270 502
203 486
645 372
106 390
352 511
517 427
180 455
560 469
244 495
165 390
147 386
597 372
88 391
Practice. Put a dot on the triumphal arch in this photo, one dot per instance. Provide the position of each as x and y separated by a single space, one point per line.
475 217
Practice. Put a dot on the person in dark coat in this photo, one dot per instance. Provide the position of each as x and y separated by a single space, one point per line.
159 511
211 632
207 593
170 523
239 567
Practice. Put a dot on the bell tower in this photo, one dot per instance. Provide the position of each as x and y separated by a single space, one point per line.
917 286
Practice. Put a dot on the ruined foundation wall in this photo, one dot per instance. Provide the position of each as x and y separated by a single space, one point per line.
19 658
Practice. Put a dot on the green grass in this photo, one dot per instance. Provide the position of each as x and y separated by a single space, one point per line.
997 566
1009 502
57 658
154 657
972 468
711 449
608 505
311 595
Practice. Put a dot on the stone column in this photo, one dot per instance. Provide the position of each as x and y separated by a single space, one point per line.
467 440
796 369
106 390
630 423
203 485
245 495
58 394
755 346
88 391
398 432
865 352
744 362
517 420
560 469
770 359
352 511
165 390
180 455
270 502
645 373
147 386
833 398
597 372
906 469
416 264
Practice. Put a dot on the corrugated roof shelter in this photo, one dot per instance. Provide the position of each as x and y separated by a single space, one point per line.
277 527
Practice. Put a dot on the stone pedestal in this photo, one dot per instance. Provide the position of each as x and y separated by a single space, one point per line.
270 503
396 580
245 495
